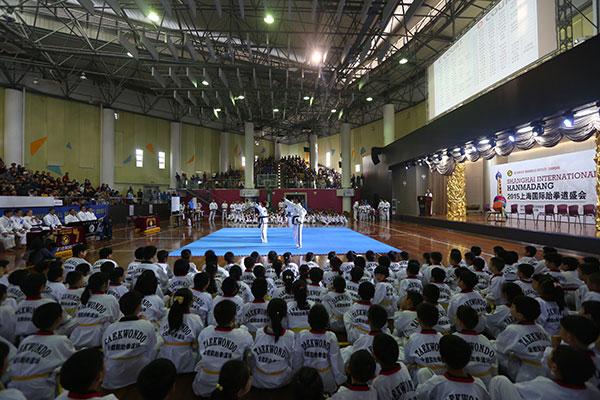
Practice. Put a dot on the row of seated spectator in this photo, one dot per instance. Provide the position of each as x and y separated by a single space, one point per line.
16 180
291 171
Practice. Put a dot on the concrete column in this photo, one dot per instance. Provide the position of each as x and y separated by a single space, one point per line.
175 156
389 126
346 164
224 150
249 154
14 126
107 151
277 151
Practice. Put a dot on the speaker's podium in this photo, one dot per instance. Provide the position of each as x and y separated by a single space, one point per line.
147 224
424 205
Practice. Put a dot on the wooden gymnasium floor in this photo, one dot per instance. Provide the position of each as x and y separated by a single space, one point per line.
413 238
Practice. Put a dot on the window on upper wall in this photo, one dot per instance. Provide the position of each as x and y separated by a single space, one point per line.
328 159
139 158
161 160
243 161
357 168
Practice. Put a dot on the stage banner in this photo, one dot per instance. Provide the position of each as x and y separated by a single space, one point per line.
562 179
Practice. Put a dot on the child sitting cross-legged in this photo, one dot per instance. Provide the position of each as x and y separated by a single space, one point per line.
571 369
361 369
34 367
455 383
394 381
81 375
405 320
521 345
422 348
355 319
377 318
502 317
483 362
180 332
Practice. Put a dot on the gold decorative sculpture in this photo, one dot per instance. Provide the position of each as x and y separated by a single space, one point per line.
457 194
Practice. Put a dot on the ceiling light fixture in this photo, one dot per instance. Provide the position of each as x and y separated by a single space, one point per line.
153 16
241 97
484 141
217 110
511 138
403 60
269 19
82 76
205 82
276 110
333 110
306 98
129 55
316 57
369 99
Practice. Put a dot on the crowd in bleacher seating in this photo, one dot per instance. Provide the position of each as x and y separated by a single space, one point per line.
292 171
16 180
374 327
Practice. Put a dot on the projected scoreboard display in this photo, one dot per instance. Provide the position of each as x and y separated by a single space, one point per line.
512 35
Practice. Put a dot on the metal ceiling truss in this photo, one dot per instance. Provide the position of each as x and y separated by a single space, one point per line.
159 65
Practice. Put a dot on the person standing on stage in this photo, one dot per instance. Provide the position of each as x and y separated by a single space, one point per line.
299 213
223 212
263 220
212 207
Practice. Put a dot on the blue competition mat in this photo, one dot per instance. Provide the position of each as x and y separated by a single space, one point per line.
243 241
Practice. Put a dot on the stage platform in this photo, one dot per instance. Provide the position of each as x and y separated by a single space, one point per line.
575 237
319 240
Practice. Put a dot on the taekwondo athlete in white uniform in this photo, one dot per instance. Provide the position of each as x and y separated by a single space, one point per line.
213 211
263 220
299 213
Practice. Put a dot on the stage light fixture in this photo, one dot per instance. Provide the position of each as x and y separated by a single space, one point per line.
369 99
153 16
538 130
403 60
511 138
568 120
269 19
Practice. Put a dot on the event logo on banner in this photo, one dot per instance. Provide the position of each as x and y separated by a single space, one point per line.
562 179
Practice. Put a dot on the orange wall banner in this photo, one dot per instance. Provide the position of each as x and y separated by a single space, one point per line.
191 160
150 147
37 144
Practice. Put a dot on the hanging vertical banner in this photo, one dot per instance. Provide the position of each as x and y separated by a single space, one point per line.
568 179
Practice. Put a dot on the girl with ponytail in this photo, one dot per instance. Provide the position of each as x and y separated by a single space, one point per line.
97 310
235 381
285 291
552 304
272 351
180 331
298 308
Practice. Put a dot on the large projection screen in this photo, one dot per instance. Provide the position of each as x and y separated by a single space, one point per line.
511 36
